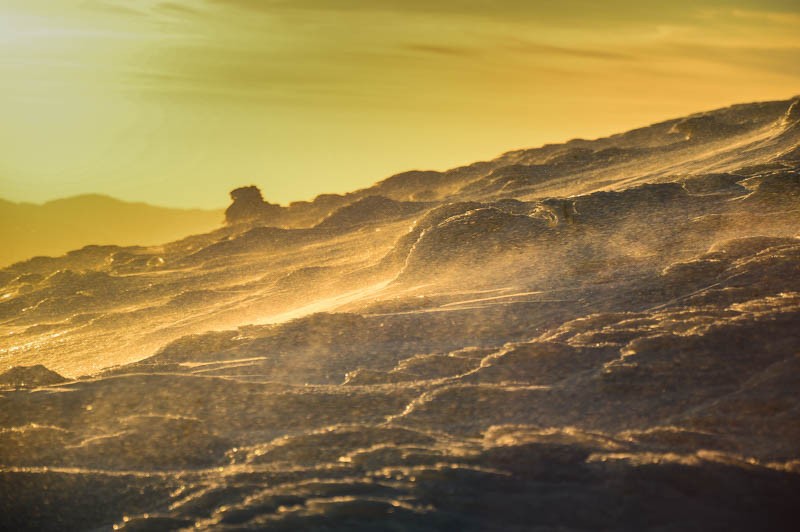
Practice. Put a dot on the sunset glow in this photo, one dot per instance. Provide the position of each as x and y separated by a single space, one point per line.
177 102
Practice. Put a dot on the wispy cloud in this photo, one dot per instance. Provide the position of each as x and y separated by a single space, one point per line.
537 48
179 9
438 49
612 12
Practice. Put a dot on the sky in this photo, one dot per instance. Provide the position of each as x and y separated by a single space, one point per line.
177 102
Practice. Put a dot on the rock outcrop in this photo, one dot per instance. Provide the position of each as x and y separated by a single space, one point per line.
249 206
30 377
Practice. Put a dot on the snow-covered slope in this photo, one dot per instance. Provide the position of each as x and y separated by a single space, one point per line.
595 335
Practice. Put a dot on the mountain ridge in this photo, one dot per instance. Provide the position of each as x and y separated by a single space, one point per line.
60 225
539 168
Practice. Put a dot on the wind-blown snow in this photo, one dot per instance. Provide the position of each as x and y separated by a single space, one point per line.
593 335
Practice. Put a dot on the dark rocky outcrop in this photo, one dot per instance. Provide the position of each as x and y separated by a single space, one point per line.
249 206
30 377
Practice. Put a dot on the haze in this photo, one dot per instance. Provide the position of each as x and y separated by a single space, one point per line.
178 102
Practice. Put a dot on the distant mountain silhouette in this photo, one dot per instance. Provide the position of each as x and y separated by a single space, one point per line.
58 226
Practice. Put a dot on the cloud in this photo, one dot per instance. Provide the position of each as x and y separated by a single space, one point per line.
438 49
548 49
592 12
108 6
175 8
378 49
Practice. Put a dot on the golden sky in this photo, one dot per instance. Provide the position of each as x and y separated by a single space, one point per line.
177 102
